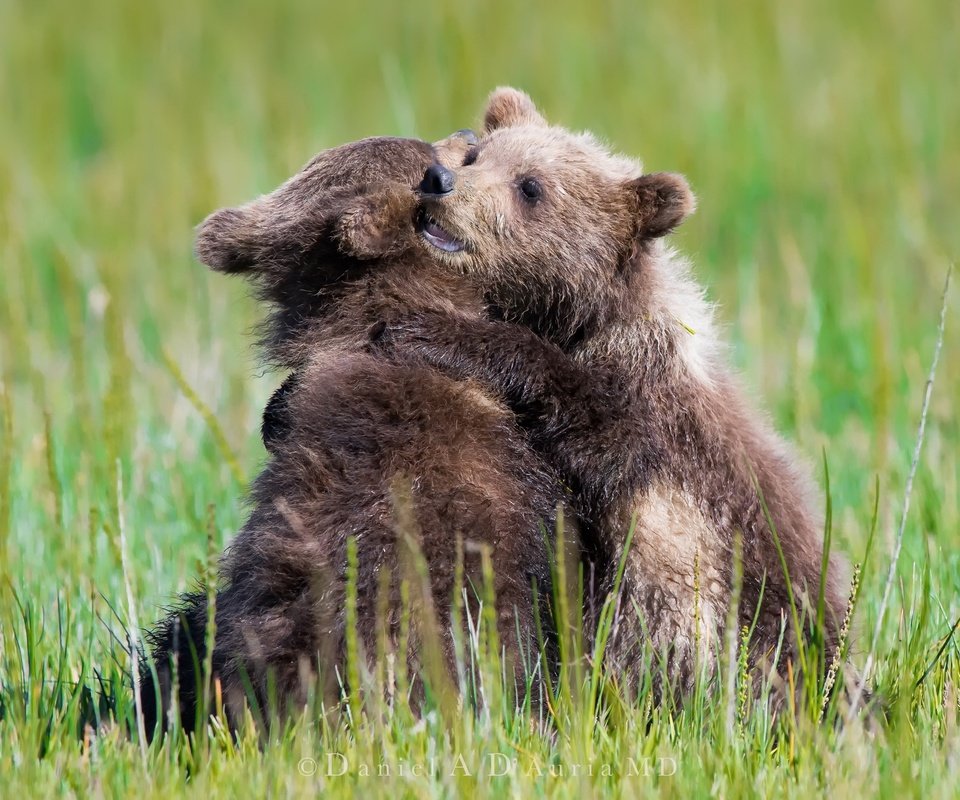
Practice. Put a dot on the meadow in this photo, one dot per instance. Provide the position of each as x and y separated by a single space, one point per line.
823 141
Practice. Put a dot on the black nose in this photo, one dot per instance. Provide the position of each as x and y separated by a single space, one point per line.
437 180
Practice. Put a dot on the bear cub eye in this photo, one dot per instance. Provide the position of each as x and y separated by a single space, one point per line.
470 157
531 189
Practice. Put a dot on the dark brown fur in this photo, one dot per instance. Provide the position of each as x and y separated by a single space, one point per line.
607 352
360 438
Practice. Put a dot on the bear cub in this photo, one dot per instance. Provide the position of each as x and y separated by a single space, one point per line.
609 355
364 443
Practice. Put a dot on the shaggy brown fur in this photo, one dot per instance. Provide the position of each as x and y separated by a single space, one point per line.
334 251
608 353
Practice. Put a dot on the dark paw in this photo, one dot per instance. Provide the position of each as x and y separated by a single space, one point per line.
409 334
382 337
276 423
377 332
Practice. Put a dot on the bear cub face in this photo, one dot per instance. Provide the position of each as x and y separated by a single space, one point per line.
506 215
343 215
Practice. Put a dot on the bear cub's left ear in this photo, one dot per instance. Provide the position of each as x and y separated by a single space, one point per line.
378 224
664 200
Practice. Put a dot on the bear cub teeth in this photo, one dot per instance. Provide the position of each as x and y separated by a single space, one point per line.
433 232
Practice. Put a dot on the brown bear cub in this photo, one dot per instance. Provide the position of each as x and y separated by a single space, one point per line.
607 351
334 251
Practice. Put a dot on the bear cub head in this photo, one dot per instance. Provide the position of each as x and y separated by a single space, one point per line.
305 245
547 220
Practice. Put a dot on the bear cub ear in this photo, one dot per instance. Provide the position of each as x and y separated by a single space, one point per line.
664 200
378 224
226 240
509 108
264 236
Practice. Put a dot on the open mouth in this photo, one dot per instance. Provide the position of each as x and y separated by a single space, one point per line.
433 232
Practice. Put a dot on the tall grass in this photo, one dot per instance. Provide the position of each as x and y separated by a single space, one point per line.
823 140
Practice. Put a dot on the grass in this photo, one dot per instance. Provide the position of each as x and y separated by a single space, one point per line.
823 140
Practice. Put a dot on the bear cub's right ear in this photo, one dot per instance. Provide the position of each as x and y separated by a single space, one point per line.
664 200
378 223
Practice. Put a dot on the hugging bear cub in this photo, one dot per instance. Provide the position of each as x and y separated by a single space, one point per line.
376 447
541 281
608 353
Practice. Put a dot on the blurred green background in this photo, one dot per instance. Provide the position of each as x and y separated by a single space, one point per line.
823 140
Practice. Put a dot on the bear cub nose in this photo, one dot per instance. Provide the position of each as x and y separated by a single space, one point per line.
437 180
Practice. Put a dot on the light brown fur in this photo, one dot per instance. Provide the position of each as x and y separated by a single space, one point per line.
625 388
